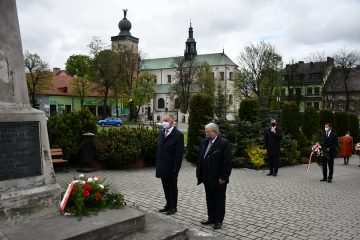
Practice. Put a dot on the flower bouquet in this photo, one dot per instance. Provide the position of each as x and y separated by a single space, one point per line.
357 148
318 154
86 196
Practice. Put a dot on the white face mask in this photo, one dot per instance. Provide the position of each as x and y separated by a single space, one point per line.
166 125
326 129
347 136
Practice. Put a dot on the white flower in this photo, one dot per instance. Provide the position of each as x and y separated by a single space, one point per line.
81 175
90 180
101 186
82 182
95 178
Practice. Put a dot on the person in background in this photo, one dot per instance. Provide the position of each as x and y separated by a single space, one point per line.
273 135
346 146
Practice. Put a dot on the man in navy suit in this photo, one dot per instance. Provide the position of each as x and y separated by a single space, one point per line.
170 150
331 143
213 169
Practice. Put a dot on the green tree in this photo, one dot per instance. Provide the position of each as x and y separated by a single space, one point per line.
248 110
205 80
201 111
38 75
290 119
80 88
221 103
342 123
104 72
144 91
354 127
77 65
310 122
326 116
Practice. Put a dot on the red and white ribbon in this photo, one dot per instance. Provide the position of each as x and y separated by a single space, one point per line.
316 148
66 196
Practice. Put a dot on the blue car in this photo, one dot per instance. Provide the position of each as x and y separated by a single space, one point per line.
111 121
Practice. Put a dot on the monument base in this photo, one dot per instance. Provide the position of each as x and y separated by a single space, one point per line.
29 189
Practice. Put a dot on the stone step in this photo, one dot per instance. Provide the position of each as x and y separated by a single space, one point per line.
109 224
157 228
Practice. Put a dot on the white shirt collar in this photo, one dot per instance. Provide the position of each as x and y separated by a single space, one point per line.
169 130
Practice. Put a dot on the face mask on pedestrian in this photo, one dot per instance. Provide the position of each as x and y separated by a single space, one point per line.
273 124
208 136
166 125
326 129
347 135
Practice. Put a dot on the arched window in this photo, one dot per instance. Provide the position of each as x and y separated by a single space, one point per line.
177 103
161 103
230 99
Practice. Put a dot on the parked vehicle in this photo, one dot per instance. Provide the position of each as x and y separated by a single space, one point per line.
111 121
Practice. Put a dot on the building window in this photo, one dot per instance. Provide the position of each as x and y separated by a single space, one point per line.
341 106
169 78
308 104
231 99
161 103
298 91
291 91
317 91
221 75
316 105
177 103
283 91
309 91
230 75
213 75
352 106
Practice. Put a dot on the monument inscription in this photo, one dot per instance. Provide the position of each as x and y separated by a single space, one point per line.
19 150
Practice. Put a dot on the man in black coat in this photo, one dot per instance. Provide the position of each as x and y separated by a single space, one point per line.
331 143
273 136
213 169
170 150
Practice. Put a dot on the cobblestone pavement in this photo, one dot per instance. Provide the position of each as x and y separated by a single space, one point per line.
293 205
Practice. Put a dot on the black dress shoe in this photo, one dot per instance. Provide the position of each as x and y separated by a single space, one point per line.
323 180
171 211
165 209
269 174
217 225
329 181
275 174
207 222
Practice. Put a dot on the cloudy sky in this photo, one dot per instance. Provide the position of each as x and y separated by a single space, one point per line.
57 29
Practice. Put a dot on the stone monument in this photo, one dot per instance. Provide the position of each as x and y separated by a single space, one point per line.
28 188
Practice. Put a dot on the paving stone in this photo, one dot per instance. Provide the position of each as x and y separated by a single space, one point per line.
294 205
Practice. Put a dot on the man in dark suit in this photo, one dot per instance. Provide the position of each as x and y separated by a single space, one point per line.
331 143
170 150
273 135
213 169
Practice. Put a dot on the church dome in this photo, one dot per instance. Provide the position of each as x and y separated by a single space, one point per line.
125 25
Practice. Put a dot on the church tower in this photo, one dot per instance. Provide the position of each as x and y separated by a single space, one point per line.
190 45
125 40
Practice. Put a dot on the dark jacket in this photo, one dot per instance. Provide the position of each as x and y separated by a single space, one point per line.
169 154
331 142
219 161
272 141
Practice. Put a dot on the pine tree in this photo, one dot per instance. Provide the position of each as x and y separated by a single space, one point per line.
354 127
290 120
326 116
310 122
248 110
221 103
342 123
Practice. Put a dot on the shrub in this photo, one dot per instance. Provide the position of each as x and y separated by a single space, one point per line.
354 127
120 147
326 116
65 130
255 154
310 122
201 111
342 123
305 152
304 160
303 141
289 121
291 155
248 110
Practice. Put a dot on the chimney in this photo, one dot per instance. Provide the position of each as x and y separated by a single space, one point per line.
330 61
56 71
301 62
311 64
